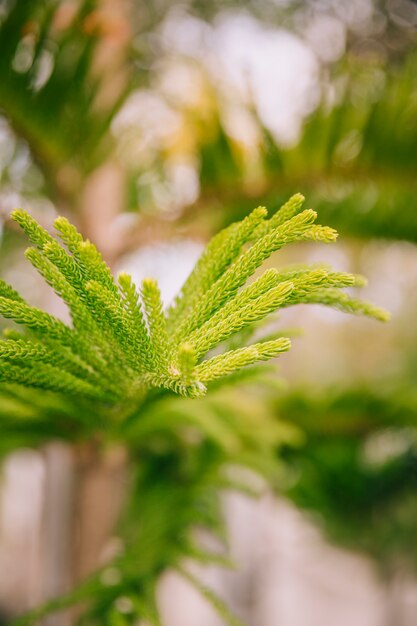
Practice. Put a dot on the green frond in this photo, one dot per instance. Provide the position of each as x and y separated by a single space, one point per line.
122 345
323 234
288 210
222 250
81 308
57 281
22 349
86 253
35 319
48 377
68 234
27 350
220 326
186 360
174 382
110 317
270 349
156 322
308 282
90 258
34 231
229 362
133 308
66 264
284 213
6 291
346 303
242 269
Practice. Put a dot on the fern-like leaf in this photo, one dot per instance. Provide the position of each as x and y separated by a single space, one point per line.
122 344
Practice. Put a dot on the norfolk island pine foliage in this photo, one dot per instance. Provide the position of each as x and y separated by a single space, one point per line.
122 355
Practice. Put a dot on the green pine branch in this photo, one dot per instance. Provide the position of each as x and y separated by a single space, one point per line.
121 343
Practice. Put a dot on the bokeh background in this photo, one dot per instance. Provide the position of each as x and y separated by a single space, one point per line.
151 125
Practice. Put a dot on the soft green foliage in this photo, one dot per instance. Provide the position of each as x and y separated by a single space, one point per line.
180 458
357 159
357 468
33 34
356 153
118 369
355 156
122 344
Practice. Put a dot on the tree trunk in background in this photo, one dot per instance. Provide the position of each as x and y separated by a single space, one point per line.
56 542
84 492
393 609
101 479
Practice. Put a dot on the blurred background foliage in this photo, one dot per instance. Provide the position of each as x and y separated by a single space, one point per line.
357 470
186 110
196 112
